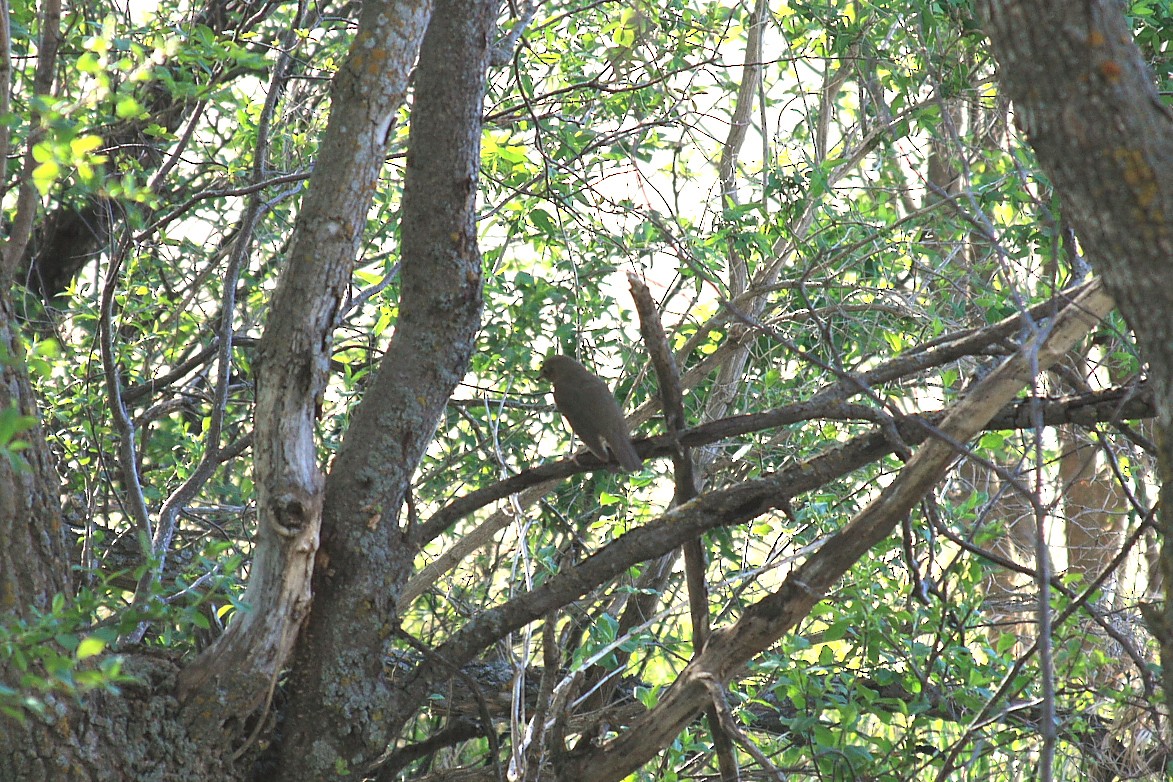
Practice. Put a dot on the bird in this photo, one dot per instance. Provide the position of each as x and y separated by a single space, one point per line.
591 410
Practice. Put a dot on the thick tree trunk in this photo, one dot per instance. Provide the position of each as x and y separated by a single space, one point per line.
238 673
145 732
341 713
33 560
133 734
1086 99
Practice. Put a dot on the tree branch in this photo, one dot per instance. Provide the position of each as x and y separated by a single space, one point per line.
763 623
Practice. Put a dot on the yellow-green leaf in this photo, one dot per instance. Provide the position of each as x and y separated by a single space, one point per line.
45 175
90 647
83 145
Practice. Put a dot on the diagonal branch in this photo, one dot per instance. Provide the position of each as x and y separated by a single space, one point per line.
765 622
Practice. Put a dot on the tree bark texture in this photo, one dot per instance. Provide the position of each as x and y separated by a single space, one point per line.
1087 102
341 712
235 675
33 562
1082 94
145 732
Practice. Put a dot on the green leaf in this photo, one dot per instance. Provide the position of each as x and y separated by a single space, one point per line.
127 107
45 176
85 144
90 646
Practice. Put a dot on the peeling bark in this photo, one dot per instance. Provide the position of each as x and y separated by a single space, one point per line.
238 673
341 713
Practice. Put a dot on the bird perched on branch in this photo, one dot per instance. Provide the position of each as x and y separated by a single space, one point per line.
591 410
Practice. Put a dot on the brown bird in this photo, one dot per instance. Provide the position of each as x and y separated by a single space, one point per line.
591 410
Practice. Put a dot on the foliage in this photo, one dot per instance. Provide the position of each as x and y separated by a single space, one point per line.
55 655
880 201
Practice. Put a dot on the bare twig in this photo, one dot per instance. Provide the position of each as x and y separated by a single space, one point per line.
127 448
212 457
672 402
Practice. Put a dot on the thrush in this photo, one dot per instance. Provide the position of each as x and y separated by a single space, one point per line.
591 410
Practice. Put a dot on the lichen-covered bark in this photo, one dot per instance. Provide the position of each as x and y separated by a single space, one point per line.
134 734
235 675
340 696
1087 102
33 563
